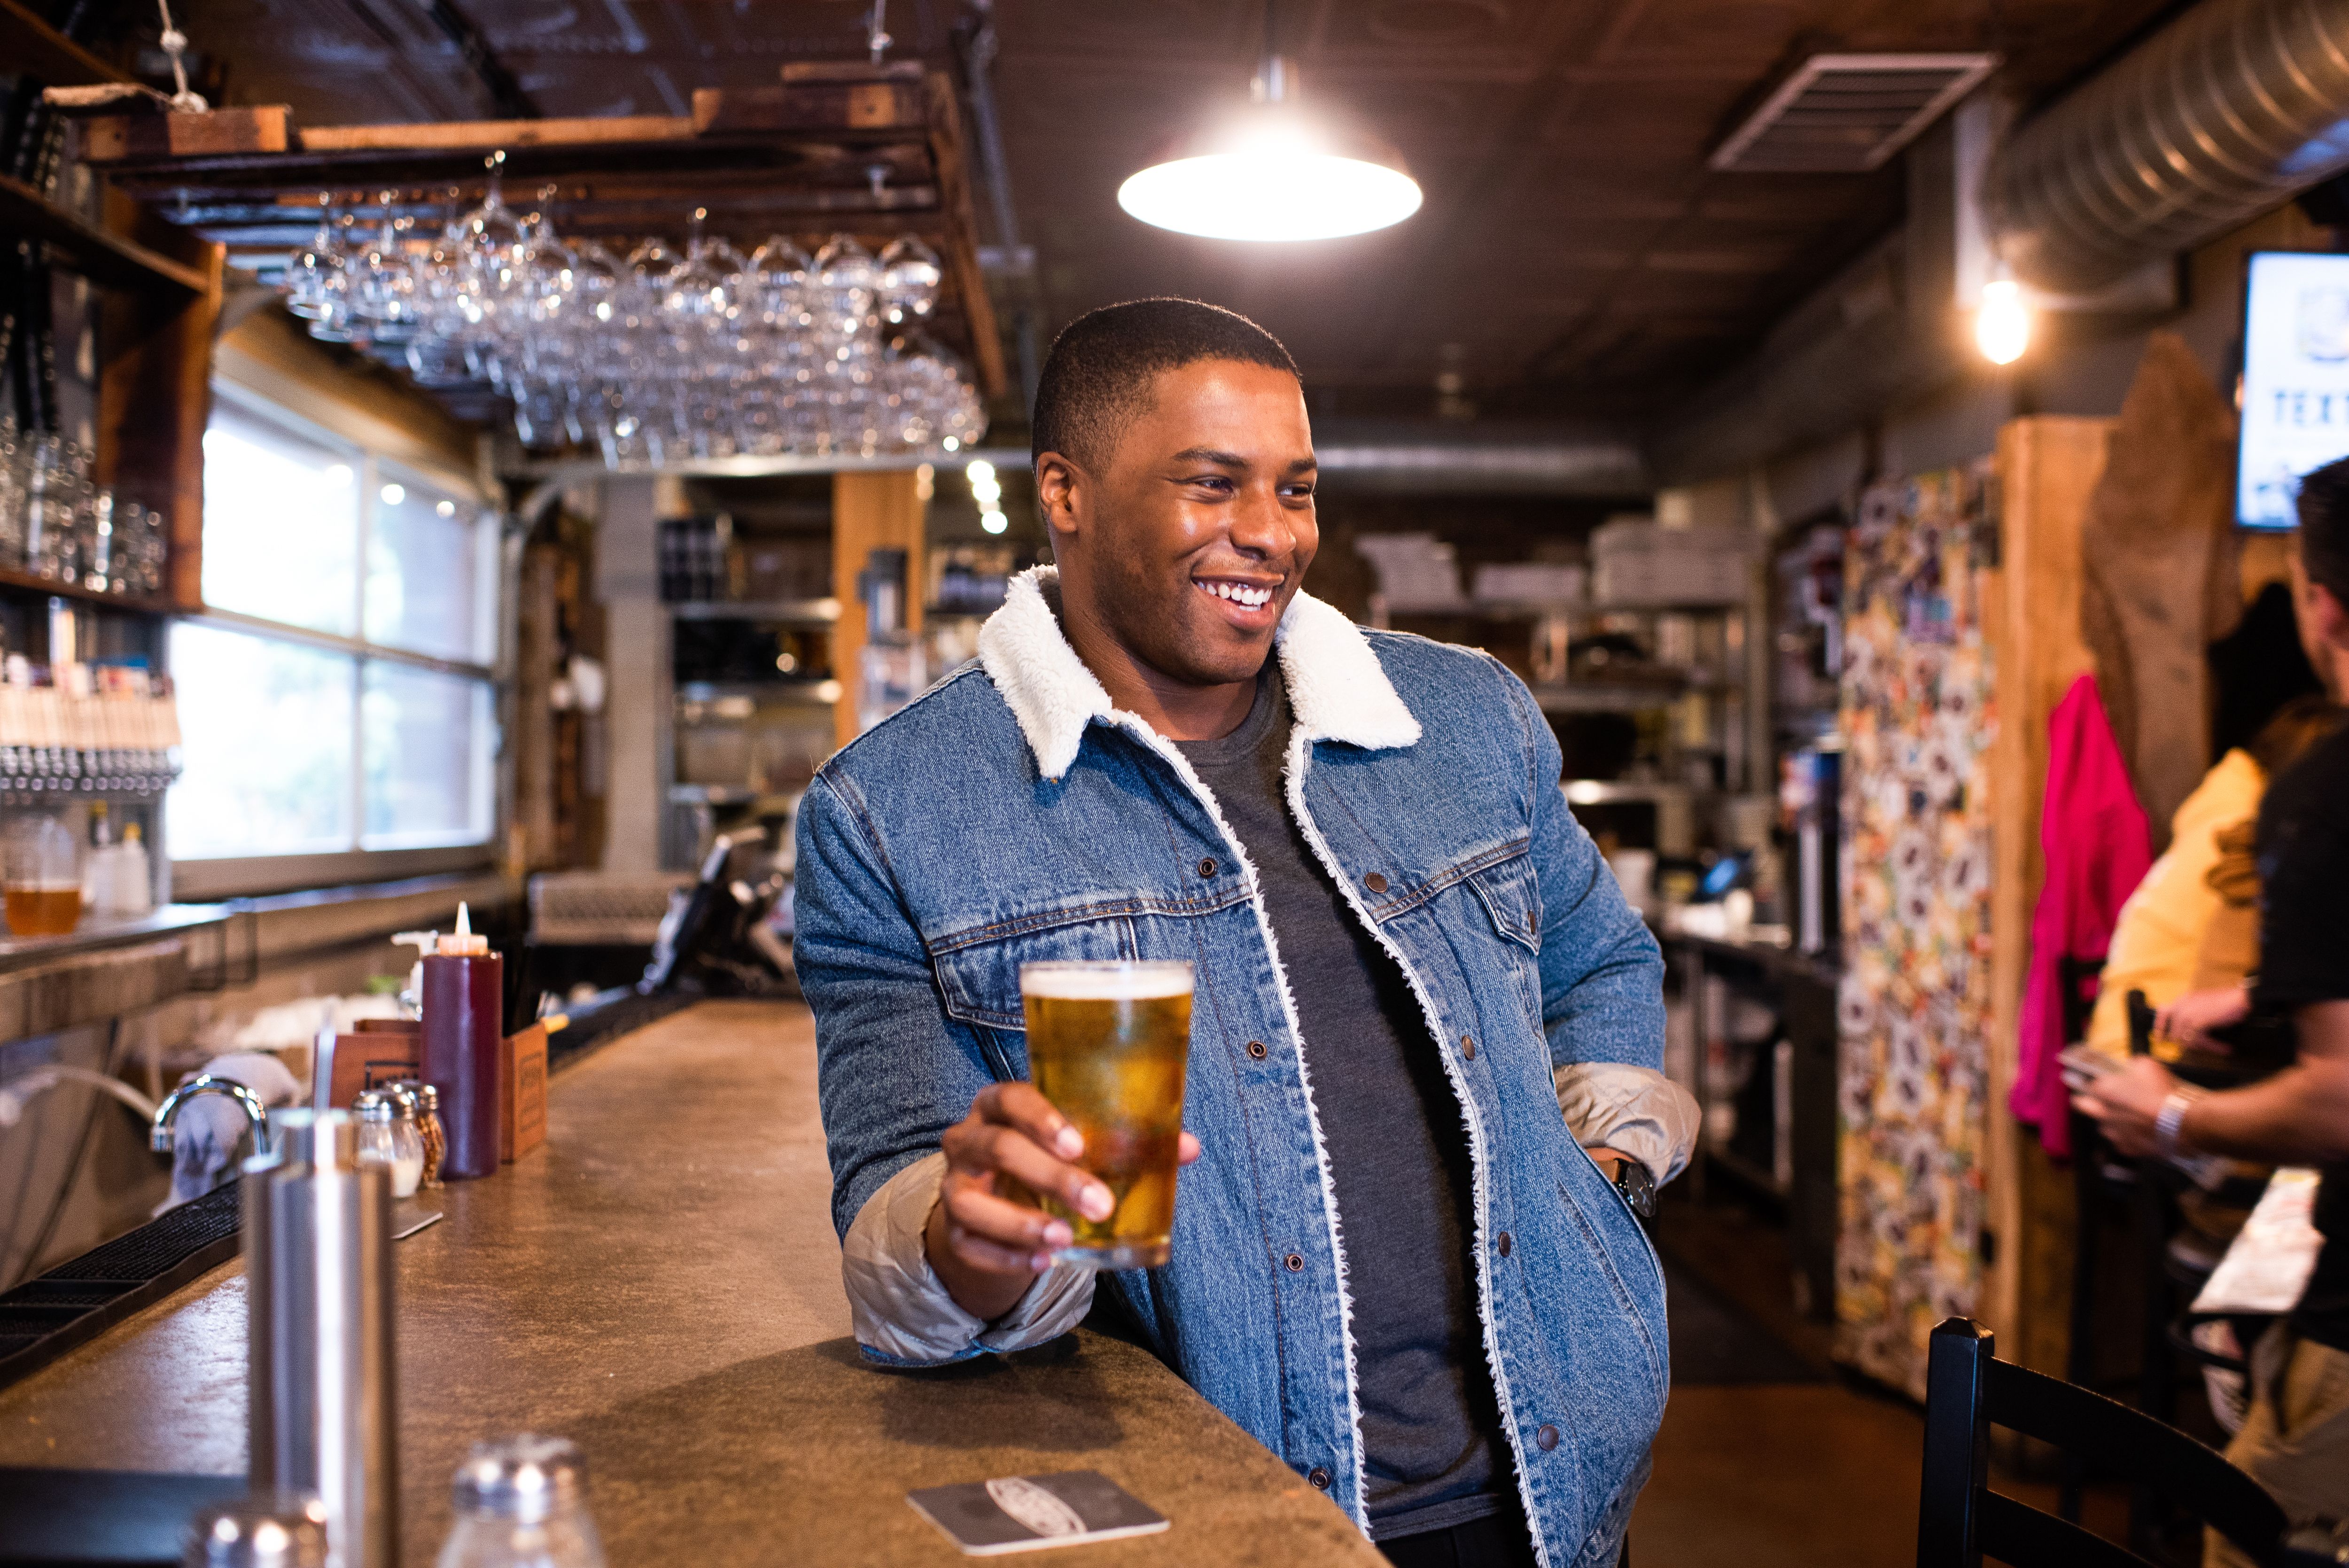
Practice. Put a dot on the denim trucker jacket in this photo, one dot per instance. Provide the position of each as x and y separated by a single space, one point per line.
1012 814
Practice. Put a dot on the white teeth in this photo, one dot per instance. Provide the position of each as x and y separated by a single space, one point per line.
1239 593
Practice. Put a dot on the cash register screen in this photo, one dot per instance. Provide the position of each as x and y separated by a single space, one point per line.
2295 380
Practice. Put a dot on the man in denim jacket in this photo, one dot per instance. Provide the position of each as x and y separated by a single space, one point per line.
1420 998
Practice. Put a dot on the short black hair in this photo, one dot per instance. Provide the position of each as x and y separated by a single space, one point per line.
1099 369
2324 528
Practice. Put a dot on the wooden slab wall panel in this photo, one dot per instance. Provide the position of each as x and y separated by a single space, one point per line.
869 511
154 391
2047 469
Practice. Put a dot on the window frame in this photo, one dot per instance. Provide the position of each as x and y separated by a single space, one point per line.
213 878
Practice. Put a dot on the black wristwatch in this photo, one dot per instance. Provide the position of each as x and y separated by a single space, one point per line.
1639 1188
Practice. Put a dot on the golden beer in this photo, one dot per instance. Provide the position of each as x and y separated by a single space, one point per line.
1107 1044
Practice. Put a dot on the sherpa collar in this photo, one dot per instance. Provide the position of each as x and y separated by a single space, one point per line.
1336 690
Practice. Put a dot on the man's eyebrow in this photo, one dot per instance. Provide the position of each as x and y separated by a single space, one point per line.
1210 455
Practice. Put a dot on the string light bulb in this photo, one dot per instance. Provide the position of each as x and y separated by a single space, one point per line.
2002 321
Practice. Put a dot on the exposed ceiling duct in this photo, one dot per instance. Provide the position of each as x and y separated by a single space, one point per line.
1431 457
2219 116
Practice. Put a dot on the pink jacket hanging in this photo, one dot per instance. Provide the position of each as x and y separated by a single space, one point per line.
2097 849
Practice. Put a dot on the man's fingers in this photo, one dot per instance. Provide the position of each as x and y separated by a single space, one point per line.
1021 1105
993 1147
981 1253
1003 1221
1187 1150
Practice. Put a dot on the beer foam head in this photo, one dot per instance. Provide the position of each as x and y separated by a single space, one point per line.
1109 980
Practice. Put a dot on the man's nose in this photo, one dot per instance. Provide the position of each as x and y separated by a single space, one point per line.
1261 526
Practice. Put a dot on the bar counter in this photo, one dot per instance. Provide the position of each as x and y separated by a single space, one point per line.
661 1284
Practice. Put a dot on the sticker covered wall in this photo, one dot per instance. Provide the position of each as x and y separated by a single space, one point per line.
1918 719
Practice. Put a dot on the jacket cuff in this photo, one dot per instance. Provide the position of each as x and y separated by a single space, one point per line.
901 1311
1635 1111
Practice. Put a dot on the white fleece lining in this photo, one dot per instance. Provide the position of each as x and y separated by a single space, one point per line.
1337 688
1299 754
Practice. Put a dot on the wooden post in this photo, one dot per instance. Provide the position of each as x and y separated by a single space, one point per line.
2048 466
869 511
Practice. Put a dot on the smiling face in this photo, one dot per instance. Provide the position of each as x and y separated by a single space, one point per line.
1186 543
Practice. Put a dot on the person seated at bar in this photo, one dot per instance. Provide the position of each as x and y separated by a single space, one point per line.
2189 936
2296 1438
1417 989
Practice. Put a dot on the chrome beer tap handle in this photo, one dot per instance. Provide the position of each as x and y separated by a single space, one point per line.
158 1136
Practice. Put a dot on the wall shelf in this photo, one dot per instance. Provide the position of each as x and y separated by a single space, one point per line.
28 583
102 257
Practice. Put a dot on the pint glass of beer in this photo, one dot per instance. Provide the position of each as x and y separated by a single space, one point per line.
1107 1044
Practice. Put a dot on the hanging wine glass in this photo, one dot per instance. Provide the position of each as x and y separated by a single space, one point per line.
310 269
909 276
332 322
843 279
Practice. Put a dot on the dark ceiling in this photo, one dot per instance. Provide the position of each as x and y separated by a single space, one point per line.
1573 245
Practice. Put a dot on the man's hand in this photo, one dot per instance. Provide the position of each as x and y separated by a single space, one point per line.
2190 1019
985 1240
2125 1100
1611 1160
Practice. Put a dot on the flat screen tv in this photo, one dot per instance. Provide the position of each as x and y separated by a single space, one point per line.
2295 379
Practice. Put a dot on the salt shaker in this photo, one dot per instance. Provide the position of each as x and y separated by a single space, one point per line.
522 1502
388 1137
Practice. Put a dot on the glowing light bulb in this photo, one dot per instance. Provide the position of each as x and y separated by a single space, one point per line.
993 522
2002 324
1274 174
979 469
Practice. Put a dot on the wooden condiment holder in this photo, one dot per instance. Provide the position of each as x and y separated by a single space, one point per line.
386 1050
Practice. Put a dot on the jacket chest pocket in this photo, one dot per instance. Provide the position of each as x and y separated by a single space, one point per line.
979 978
1510 895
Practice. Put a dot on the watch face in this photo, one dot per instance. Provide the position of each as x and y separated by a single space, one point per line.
1639 1188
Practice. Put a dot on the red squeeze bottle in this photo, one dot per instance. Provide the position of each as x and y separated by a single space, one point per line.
464 1012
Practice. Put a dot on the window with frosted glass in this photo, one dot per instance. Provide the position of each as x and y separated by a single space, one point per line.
266 725
426 740
336 695
281 525
430 573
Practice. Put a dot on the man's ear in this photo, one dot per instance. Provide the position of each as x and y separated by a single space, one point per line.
2329 614
1062 495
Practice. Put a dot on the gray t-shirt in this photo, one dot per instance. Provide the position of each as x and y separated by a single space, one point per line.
1398 1147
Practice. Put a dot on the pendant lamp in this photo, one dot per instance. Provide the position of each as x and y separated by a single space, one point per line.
1272 172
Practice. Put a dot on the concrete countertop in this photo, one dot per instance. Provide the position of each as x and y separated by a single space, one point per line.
661 1284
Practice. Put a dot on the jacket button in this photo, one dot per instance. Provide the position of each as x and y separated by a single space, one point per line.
1319 1476
1546 1436
1375 883
1468 1044
1207 867
1295 1262
1506 1244
1256 1049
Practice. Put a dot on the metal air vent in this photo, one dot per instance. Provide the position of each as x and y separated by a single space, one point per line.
1846 114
